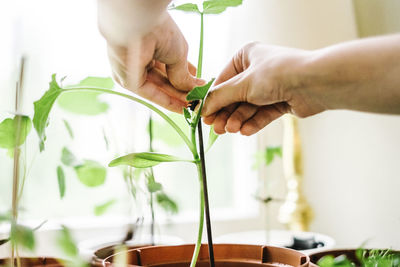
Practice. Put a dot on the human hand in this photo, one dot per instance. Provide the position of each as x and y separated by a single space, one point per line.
259 85
154 65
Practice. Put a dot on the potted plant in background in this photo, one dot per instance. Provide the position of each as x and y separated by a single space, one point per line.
356 257
93 174
13 136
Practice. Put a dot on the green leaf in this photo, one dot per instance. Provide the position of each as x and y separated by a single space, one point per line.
219 6
100 82
9 129
163 132
144 159
66 243
69 129
212 137
151 184
102 208
200 92
166 203
61 181
187 116
271 153
188 7
68 159
83 103
23 236
5 217
91 173
42 109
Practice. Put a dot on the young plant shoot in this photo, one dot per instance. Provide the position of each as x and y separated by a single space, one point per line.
192 116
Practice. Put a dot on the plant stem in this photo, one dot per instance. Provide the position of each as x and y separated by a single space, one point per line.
189 144
201 170
201 220
152 225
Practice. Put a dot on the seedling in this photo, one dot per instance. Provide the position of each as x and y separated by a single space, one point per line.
192 117
366 258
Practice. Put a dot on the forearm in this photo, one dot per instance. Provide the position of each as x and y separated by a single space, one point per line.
120 20
360 75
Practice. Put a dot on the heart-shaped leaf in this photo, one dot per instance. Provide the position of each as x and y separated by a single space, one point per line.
91 173
42 109
219 6
188 7
144 159
9 131
200 92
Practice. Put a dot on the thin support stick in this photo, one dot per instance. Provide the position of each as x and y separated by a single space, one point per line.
207 207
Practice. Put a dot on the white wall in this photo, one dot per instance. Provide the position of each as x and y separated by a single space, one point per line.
351 159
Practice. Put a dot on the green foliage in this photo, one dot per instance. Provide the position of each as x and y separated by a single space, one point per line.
152 185
86 102
66 243
22 236
166 203
42 109
68 159
212 137
268 155
9 131
144 160
69 129
91 173
209 7
164 133
83 103
219 6
367 258
330 261
61 181
200 92
102 208
189 7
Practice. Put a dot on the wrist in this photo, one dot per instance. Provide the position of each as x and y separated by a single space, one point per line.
303 90
119 21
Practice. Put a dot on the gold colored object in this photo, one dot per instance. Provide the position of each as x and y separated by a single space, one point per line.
295 212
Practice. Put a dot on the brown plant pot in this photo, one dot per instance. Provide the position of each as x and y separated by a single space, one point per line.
226 255
35 262
101 254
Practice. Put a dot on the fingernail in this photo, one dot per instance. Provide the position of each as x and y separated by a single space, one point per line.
200 82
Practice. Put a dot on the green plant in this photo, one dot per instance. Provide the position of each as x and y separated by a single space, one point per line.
366 258
192 116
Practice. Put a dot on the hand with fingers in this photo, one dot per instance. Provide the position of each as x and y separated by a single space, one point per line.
263 82
254 89
150 57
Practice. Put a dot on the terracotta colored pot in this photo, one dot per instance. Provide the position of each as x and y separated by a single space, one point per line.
35 262
103 253
226 255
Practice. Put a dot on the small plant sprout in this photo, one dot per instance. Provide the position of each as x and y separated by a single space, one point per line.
192 116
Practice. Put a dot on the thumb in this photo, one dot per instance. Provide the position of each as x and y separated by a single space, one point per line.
231 91
180 77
